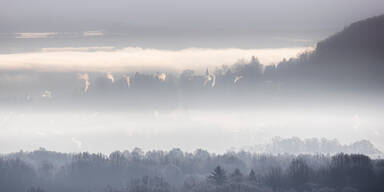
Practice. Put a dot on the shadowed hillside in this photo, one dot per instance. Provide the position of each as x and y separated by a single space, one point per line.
352 58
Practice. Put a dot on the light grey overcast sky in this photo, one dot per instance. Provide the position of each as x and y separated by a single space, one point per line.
178 24
197 17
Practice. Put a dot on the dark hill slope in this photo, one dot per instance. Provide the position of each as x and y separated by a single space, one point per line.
350 58
363 37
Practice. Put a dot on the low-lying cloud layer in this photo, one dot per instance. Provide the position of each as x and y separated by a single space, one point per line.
214 130
107 59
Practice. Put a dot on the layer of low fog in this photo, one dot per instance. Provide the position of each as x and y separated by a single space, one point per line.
214 130
137 59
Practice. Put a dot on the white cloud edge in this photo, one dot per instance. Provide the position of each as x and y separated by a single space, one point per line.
110 59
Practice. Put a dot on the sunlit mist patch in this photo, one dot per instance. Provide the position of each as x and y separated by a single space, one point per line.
110 59
35 35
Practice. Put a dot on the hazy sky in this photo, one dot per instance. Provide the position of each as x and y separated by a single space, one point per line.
181 23
199 16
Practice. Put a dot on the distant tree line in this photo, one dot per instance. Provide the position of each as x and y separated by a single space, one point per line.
200 171
295 145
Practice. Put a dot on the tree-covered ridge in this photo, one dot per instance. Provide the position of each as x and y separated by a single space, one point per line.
175 170
352 58
296 145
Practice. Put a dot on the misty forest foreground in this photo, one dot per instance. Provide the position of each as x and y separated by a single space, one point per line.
200 171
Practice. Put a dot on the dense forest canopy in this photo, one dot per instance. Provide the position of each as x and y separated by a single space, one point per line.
175 170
